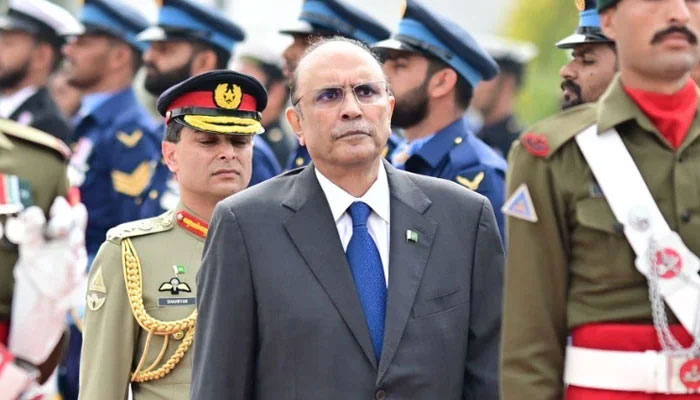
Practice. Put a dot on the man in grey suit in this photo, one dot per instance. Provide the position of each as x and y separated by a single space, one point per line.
292 293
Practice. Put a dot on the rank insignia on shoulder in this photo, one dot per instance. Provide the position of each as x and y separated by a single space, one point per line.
520 205
132 140
471 184
536 144
95 302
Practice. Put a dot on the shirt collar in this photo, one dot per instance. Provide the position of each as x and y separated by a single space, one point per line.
442 142
91 102
10 103
377 197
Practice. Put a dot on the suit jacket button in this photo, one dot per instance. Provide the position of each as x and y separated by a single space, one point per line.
380 395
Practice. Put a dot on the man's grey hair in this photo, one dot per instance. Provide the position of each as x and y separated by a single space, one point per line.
320 41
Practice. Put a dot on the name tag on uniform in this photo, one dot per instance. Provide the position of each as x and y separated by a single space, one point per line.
176 301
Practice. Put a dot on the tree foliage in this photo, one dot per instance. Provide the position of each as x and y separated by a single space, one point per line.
542 22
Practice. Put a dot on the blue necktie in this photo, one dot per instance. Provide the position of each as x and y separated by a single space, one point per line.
366 267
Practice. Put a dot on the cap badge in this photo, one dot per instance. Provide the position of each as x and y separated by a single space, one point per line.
228 96
580 5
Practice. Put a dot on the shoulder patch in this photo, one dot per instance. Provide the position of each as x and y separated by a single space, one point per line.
98 282
547 136
520 205
161 223
535 143
34 135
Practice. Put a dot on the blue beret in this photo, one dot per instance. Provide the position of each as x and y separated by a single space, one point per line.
334 17
427 32
183 19
588 30
115 18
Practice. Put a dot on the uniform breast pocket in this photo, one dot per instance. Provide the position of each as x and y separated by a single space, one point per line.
599 246
442 302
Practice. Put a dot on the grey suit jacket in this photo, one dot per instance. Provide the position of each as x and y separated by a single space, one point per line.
280 318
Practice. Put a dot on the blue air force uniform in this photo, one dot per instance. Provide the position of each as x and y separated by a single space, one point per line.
117 140
454 152
115 154
328 18
187 20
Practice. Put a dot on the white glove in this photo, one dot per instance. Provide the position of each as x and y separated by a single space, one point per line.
49 275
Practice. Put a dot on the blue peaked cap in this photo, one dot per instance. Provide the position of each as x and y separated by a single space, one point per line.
183 19
115 18
335 17
427 32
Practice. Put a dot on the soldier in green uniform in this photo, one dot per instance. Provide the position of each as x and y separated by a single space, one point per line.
574 257
140 322
32 172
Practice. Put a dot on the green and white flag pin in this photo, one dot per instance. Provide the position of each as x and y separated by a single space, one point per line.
412 236
178 269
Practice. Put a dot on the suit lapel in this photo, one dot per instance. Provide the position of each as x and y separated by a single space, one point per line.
313 231
407 258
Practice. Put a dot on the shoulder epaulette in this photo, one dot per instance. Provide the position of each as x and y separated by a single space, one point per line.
141 227
549 135
14 129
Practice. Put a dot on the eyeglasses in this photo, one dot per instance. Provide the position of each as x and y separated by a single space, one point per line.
366 93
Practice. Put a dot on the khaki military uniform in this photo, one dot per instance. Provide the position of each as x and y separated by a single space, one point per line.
139 323
573 266
39 161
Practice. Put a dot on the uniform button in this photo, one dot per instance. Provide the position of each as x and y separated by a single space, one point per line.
380 395
685 216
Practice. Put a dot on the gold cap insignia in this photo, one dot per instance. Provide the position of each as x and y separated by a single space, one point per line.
580 5
228 96
403 8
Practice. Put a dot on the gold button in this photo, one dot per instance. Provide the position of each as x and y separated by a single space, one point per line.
178 335
458 140
179 216
153 194
299 161
138 201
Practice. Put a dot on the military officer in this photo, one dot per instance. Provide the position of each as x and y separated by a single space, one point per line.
495 100
143 279
31 36
114 157
117 140
593 61
603 222
32 173
434 65
326 18
189 39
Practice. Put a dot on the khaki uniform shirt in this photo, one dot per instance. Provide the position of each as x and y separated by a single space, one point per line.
574 265
115 340
39 161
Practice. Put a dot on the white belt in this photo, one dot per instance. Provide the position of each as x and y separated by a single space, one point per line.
631 371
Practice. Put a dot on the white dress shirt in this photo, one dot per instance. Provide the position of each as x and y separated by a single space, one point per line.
377 198
10 103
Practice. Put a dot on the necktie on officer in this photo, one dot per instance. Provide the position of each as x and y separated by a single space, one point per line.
366 266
